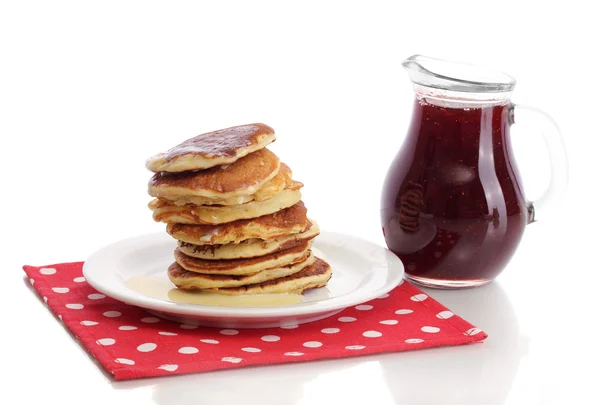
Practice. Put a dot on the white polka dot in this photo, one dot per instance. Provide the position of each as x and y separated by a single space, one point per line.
437 255
445 315
438 243
47 271
231 359
125 361
188 350
169 367
74 306
31 281
312 343
270 338
88 323
293 354
167 333
289 327
383 296
472 331
414 340
106 341
430 329
419 297
229 332
127 327
210 341
251 349
372 334
404 311
188 326
146 347
112 314
96 296
150 319
60 290
79 279
355 347
389 322
46 301
346 319
330 331
364 307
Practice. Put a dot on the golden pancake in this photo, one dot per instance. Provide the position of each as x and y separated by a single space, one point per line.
284 222
312 276
243 177
238 267
189 280
213 148
248 248
166 211
277 184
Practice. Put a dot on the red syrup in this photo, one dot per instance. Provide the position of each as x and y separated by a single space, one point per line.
452 206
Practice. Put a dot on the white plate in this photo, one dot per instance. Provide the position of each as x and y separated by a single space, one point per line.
362 271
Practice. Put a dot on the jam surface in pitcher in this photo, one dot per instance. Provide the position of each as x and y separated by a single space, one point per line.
452 205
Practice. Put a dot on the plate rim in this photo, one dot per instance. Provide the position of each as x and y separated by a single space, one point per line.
306 308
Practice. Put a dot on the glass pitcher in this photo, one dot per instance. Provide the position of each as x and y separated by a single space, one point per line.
452 205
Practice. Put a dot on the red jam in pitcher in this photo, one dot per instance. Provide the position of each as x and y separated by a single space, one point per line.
453 208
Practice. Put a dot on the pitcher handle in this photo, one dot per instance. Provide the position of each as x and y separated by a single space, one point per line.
558 157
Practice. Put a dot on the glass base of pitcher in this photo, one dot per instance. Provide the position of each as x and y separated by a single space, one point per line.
446 284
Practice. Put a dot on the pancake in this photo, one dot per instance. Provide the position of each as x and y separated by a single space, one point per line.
284 222
277 184
188 280
238 267
213 148
243 177
312 276
249 247
166 211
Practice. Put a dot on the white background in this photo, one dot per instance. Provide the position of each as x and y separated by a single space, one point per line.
89 90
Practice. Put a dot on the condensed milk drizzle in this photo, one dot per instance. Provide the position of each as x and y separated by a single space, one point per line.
161 289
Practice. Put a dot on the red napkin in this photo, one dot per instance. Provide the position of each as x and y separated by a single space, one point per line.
131 343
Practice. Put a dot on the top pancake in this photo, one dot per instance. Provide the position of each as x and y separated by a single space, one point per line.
243 177
213 149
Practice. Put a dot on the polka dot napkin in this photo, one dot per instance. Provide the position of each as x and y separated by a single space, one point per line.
130 343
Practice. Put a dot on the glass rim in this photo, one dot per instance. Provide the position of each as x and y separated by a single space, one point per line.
457 76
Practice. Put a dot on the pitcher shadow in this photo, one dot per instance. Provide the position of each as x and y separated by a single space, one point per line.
476 373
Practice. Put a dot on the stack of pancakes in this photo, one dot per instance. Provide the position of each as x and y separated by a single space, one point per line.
237 215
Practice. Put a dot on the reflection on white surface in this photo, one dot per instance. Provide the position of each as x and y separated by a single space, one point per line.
350 380
300 383
464 374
